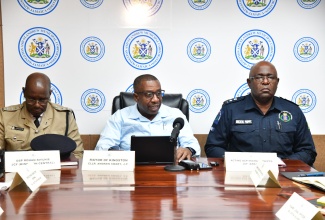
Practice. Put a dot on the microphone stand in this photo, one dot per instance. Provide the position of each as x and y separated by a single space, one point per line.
175 167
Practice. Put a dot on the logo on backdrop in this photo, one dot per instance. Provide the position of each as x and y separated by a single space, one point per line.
92 49
308 4
38 7
39 48
150 6
198 50
130 89
306 49
92 100
91 3
256 8
142 49
199 4
306 99
199 100
56 96
254 46
242 90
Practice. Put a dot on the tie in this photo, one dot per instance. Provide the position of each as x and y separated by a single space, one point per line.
36 122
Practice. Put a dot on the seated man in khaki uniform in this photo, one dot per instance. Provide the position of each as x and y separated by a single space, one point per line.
19 124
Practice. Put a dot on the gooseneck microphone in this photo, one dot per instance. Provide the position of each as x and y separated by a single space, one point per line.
177 125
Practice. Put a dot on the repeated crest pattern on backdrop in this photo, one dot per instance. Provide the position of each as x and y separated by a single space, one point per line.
93 49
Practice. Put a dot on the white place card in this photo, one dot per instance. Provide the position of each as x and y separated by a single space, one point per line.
40 160
263 176
32 177
108 160
298 208
240 165
247 161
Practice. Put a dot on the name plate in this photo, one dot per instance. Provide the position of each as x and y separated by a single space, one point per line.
298 208
108 160
250 168
40 160
247 161
263 172
33 178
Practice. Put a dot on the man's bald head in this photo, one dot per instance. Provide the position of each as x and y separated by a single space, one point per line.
38 80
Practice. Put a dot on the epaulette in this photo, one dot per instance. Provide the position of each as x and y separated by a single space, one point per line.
12 108
233 100
60 107
289 101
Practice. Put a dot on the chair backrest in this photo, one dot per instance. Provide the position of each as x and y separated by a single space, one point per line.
125 99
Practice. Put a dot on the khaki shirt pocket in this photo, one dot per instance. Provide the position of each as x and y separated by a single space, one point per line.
15 139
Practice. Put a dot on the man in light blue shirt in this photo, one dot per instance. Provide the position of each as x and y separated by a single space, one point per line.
148 117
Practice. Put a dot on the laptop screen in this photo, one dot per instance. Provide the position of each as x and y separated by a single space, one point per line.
152 149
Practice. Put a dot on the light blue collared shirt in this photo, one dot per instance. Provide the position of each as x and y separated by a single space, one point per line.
128 121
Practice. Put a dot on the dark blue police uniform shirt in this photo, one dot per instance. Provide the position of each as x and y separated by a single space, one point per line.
241 127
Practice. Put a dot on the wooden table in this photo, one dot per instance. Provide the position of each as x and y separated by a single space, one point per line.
155 194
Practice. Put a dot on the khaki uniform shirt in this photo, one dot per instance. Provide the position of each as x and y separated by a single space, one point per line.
17 128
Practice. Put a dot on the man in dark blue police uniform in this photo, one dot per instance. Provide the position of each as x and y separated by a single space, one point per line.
261 122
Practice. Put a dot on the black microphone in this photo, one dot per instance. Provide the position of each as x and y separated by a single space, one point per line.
177 125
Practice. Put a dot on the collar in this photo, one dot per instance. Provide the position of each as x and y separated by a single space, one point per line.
250 104
40 117
162 113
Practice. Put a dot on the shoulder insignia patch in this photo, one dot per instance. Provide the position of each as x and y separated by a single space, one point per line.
233 100
289 101
60 108
12 108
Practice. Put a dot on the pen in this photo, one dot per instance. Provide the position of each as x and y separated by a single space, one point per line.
311 174
279 125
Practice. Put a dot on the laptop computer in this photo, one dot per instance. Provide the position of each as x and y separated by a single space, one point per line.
152 149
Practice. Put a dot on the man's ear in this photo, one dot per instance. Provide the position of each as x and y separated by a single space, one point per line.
135 97
51 92
23 88
248 82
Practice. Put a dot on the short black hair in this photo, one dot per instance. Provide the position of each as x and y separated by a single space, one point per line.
139 79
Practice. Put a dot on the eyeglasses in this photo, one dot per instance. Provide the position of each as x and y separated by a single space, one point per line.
260 78
149 95
33 101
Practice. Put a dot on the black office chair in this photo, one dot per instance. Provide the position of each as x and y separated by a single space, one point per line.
125 99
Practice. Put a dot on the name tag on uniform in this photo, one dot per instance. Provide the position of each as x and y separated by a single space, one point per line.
17 128
243 122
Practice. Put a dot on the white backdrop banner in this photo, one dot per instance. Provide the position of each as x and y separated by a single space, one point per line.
93 49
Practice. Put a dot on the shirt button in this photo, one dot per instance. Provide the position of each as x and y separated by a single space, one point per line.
263 128
264 140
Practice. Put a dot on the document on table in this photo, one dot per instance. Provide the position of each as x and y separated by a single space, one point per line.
318 181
